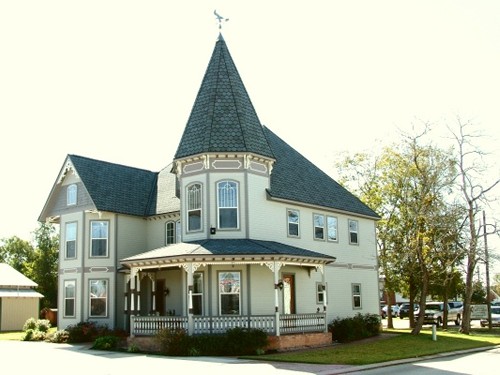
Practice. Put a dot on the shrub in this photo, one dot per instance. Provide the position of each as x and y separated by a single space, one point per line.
85 332
35 329
236 341
33 335
355 328
240 341
106 343
175 342
43 325
29 324
59 337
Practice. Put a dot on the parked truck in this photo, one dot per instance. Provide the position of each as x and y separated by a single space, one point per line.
434 312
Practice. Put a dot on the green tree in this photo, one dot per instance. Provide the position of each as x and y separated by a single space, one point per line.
43 268
407 185
17 253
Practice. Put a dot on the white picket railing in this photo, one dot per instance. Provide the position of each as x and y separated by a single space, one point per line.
220 324
289 323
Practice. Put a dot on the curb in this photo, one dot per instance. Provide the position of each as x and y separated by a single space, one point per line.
409 360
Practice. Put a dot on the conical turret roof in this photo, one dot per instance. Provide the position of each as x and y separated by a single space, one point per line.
223 118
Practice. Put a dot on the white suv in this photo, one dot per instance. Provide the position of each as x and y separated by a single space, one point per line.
434 312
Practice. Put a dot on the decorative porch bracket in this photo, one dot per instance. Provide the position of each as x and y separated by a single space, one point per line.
275 268
190 268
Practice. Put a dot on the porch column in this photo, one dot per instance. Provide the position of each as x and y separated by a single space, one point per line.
190 268
153 290
138 293
125 294
325 294
133 274
275 267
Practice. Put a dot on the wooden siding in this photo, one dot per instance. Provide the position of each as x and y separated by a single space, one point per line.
15 312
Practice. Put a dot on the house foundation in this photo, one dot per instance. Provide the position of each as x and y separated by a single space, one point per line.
276 343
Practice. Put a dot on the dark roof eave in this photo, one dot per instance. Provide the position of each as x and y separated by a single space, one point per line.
270 196
231 259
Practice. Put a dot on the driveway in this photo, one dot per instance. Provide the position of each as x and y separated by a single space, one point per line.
40 357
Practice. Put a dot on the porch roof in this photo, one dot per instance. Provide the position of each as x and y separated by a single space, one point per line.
227 250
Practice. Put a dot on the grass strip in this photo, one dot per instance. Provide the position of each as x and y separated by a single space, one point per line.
402 345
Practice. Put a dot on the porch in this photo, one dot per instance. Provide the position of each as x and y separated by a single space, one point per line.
287 323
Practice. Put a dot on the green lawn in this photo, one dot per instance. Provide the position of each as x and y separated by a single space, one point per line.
11 335
17 335
400 346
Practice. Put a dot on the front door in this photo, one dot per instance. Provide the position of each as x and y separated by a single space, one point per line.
160 296
288 294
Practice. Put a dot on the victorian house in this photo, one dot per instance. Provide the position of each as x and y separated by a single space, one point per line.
238 230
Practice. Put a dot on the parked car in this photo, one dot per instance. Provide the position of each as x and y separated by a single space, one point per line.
404 310
434 312
495 317
395 309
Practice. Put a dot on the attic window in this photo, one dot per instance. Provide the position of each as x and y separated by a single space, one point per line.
71 193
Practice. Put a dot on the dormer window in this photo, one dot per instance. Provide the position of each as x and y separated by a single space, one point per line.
227 204
194 207
71 193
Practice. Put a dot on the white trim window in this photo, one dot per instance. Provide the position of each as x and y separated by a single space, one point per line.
331 229
194 201
198 293
320 288
70 235
319 226
293 217
170 233
69 298
227 204
99 235
98 298
353 232
356 296
71 195
229 293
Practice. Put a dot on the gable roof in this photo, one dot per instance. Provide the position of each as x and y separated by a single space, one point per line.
223 118
12 278
115 187
296 179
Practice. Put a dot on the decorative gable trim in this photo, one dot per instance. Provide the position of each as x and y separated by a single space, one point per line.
68 167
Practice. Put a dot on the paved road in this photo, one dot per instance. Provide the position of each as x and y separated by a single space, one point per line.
18 357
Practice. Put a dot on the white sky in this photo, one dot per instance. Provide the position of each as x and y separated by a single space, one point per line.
116 80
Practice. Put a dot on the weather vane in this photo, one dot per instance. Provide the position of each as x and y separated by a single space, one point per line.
220 19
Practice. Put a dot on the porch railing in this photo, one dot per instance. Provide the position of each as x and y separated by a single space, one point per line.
150 325
288 323
220 324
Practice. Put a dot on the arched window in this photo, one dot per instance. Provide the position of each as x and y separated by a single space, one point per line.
227 204
194 207
71 194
